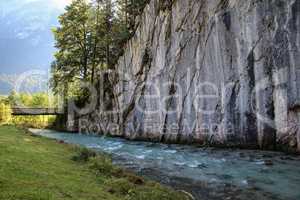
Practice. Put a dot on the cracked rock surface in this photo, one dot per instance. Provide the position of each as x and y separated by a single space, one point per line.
211 72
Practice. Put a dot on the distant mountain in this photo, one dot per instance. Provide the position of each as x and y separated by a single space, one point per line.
26 40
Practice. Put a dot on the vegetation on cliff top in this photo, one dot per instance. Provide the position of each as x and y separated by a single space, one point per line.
90 38
35 168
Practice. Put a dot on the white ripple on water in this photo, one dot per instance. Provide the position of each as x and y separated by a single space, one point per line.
180 163
194 165
148 151
260 162
171 151
93 146
141 157
114 148
245 182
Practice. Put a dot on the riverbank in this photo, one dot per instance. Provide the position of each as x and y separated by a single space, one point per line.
33 168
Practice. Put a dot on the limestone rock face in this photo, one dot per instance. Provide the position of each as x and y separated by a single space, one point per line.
211 72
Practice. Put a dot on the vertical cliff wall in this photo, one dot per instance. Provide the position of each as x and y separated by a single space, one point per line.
213 72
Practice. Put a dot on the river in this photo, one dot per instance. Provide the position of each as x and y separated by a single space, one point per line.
208 174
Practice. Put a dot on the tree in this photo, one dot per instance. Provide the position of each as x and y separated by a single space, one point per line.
73 39
99 34
40 100
13 98
90 38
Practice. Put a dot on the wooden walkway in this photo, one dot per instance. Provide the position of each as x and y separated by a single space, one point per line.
36 111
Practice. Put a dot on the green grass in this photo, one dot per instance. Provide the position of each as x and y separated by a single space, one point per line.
35 168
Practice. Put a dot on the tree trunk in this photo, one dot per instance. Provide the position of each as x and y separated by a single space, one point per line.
95 43
108 30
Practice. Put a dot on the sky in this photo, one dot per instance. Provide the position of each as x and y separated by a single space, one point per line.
26 39
60 4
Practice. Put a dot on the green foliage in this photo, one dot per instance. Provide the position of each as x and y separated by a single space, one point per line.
73 39
33 121
4 99
102 165
120 187
84 155
5 113
36 100
90 38
99 162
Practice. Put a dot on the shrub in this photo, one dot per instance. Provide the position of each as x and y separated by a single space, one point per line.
119 187
84 155
5 113
102 165
132 178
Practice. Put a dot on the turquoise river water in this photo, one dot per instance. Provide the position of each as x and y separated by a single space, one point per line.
208 174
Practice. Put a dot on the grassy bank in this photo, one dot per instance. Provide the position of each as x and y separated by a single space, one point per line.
35 168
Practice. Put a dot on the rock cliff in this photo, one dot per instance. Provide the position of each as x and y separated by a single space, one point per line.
210 72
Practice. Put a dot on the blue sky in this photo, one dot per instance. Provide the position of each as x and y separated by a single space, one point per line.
26 40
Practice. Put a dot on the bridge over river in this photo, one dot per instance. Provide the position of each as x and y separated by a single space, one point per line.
37 111
65 119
